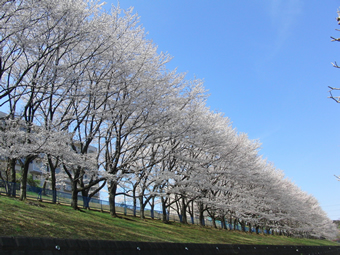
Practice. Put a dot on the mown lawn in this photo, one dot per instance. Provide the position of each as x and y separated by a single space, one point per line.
35 219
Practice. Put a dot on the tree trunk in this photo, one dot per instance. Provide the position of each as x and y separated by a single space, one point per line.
249 225
243 226
52 167
112 198
224 226
74 202
134 206
134 199
231 227
164 218
86 199
235 224
54 189
141 207
214 222
191 211
23 192
43 191
12 191
184 212
8 185
152 207
201 216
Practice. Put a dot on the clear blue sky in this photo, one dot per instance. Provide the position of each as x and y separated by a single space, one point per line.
267 66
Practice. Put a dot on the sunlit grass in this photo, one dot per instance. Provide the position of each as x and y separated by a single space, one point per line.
36 219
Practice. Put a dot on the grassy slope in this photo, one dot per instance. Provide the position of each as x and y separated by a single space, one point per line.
28 219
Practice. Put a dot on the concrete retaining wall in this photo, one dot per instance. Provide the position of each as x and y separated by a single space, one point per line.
48 246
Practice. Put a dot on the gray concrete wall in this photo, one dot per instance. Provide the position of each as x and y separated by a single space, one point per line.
48 246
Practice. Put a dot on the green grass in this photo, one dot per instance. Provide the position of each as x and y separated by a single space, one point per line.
36 219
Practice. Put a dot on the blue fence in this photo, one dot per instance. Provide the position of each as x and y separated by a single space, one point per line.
46 195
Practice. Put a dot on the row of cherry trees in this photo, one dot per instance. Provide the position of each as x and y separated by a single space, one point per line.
75 76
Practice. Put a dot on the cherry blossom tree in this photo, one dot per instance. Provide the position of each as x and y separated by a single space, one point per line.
88 93
34 36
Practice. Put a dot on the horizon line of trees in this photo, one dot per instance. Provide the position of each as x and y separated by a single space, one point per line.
74 75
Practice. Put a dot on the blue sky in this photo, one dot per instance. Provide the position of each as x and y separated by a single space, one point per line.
267 66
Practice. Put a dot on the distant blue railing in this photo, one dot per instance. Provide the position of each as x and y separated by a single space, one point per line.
99 204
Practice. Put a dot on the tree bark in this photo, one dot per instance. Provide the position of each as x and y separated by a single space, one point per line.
235 224
231 223
52 167
184 211
86 199
164 218
23 192
214 222
191 211
134 207
201 216
134 200
112 198
53 183
74 202
224 226
243 225
12 190
153 208
141 207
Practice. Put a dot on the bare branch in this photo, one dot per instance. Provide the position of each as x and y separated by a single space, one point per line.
336 99
335 65
335 39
